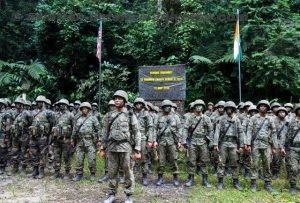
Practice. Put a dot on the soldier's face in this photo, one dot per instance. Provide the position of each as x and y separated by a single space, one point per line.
167 109
39 104
62 107
111 107
263 108
297 112
221 109
84 111
94 108
252 113
210 107
18 105
119 102
76 106
274 109
71 108
138 106
229 111
289 109
198 108
281 114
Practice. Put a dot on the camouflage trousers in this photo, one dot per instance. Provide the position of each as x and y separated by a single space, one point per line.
3 154
228 155
144 157
85 146
19 152
62 150
263 155
277 160
245 161
293 164
168 152
38 151
116 161
197 154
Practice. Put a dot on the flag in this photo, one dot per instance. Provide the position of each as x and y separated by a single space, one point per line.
237 50
99 41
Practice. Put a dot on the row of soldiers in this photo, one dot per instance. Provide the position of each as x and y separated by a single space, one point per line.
224 135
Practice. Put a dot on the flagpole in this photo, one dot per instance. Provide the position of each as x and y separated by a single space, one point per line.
239 60
100 77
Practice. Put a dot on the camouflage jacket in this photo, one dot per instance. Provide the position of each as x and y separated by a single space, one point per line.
64 124
167 130
234 135
267 134
21 123
6 120
201 133
123 134
86 128
145 124
42 123
294 125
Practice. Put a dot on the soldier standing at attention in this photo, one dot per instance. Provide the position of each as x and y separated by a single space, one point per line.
122 140
229 137
198 131
85 136
262 133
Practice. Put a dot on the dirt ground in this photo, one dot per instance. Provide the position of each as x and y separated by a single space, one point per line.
23 189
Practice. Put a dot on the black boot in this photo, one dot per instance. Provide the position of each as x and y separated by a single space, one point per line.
293 189
111 198
160 180
205 182
128 199
175 180
275 175
104 178
236 184
268 186
23 171
77 178
41 173
247 174
145 179
92 176
14 170
190 181
34 172
253 185
67 175
1 170
55 175
220 184
199 170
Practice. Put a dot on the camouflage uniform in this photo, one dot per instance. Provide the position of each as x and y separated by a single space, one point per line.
146 129
281 128
20 138
229 136
123 138
85 134
5 122
198 131
262 145
292 147
43 120
167 138
62 139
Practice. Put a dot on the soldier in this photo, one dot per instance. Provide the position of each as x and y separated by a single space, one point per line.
292 149
61 134
105 123
190 112
5 122
281 125
215 117
39 131
246 156
262 133
198 131
95 111
122 140
27 105
228 138
77 113
71 107
168 140
240 108
33 105
210 109
289 107
85 136
274 108
20 138
146 129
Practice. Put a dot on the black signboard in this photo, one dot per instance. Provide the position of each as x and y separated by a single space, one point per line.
162 82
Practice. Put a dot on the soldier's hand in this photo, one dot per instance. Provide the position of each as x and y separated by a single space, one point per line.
155 144
137 156
150 144
282 151
216 148
102 153
241 150
185 145
248 149
5 141
72 143
178 145
99 144
273 151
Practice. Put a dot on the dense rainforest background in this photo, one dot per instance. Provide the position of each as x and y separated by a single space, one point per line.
49 46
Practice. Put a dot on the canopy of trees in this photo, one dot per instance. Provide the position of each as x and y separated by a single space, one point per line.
49 46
